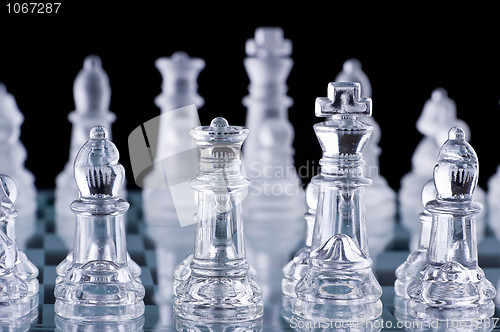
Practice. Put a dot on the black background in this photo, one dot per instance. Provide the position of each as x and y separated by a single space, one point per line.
407 51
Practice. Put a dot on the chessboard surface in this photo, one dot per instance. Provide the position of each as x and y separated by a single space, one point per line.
46 249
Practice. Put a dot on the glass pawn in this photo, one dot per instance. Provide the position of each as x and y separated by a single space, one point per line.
452 285
100 285
219 287
339 283
417 259
25 269
14 292
294 270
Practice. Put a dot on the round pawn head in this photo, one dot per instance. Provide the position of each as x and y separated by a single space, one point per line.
91 89
352 72
457 171
97 171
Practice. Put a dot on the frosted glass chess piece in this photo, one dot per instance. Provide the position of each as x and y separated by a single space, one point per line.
417 259
296 268
14 292
275 207
173 145
493 201
24 268
268 152
438 115
274 210
452 285
339 283
13 155
268 65
219 288
380 198
99 285
175 151
92 96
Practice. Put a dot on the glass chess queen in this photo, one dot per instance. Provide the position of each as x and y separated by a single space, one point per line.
99 285
219 287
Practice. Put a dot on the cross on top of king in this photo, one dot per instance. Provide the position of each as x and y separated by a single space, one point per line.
343 99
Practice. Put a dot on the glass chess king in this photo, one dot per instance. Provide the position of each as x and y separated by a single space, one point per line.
339 283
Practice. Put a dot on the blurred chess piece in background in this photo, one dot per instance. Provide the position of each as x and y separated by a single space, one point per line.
92 96
438 116
12 157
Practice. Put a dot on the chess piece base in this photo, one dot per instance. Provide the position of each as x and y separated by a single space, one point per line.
408 271
218 299
451 291
14 301
183 325
182 272
134 325
339 284
99 290
63 267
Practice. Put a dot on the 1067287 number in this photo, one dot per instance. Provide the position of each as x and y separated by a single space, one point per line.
33 7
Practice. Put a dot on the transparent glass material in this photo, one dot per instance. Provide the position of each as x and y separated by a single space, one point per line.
25 269
99 285
339 283
14 291
294 270
380 198
129 325
452 285
219 288
417 259
183 325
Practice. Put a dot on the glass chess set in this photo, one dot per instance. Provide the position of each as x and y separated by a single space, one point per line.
206 246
